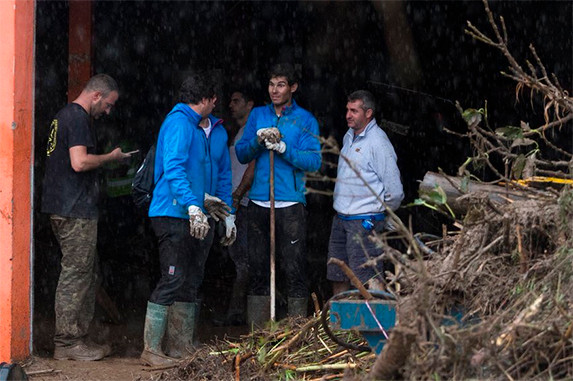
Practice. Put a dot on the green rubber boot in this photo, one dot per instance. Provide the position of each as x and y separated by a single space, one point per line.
258 310
155 324
297 307
181 326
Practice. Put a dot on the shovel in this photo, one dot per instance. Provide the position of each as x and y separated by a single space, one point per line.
272 233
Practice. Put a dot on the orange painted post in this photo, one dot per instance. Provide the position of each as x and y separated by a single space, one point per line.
80 47
16 165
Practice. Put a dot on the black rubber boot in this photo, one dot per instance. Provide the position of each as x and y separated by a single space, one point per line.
297 307
258 310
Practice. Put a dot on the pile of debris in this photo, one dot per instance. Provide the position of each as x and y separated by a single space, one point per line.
291 349
509 276
493 300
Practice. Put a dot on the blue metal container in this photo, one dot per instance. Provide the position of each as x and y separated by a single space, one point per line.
373 319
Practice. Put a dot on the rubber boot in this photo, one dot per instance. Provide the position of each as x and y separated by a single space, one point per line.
297 307
258 310
236 310
180 329
155 325
198 305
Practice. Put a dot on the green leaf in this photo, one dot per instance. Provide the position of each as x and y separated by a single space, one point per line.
522 142
473 116
465 184
510 132
517 166
436 196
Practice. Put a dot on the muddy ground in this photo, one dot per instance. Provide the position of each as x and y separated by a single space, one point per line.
123 364
126 338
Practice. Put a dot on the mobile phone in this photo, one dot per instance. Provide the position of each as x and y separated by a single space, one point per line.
132 152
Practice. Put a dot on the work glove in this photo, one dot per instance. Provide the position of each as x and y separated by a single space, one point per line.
230 231
280 147
198 224
269 134
216 207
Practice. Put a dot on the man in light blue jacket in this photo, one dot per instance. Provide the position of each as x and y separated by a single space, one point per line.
193 179
368 182
292 133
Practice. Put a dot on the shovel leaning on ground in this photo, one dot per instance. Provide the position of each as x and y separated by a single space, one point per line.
272 233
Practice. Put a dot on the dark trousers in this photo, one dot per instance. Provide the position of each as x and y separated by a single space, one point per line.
351 243
181 260
238 252
290 248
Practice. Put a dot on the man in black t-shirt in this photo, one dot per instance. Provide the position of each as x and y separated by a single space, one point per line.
69 196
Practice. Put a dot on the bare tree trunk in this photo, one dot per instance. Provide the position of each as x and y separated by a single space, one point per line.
452 185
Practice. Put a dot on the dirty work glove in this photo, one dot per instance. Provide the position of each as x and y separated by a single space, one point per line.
198 224
280 147
216 207
269 134
230 231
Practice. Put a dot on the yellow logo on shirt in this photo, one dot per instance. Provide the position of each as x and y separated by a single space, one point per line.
52 139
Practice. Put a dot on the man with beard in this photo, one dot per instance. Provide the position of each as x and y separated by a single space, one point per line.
70 194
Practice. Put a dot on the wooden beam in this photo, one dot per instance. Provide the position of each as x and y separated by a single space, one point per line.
80 47
16 166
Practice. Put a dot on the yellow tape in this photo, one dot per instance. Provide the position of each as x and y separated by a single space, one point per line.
542 179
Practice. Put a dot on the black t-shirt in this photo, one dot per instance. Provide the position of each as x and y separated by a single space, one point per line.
66 192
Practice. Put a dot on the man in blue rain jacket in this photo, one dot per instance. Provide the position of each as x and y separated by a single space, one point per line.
292 133
193 176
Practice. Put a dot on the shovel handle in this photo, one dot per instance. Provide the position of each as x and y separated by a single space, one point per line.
272 233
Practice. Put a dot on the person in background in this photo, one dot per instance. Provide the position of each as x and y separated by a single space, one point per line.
193 177
291 132
70 194
240 106
368 182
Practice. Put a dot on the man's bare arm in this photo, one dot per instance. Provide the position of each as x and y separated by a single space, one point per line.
245 184
83 161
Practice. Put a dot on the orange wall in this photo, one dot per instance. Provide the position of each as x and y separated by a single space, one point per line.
16 163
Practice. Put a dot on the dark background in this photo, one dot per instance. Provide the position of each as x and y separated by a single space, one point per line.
413 55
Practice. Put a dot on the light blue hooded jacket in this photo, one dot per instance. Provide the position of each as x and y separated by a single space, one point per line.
188 164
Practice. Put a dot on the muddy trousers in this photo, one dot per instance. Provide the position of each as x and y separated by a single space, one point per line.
290 248
181 260
75 293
